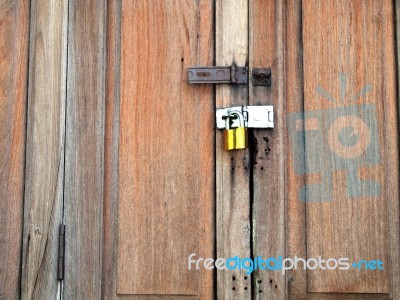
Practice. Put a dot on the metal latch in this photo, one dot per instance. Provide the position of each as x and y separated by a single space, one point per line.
254 116
232 74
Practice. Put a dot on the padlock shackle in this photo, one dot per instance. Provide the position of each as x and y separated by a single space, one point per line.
240 116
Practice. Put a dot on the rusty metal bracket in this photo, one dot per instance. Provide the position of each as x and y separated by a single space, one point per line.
232 74
61 253
261 77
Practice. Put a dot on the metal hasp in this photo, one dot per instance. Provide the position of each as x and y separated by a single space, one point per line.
232 74
254 116
261 76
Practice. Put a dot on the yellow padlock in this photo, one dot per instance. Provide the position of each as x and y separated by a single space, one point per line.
235 138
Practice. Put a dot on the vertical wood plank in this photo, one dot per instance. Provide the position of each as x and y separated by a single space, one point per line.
110 210
267 49
166 176
160 297
296 210
14 39
297 232
232 168
84 155
394 210
44 177
350 217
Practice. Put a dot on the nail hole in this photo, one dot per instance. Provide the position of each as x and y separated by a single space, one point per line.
276 286
245 288
260 291
233 278
262 168
260 281
233 288
245 277
270 281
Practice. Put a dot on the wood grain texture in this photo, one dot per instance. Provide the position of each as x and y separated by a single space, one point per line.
351 58
44 176
84 155
159 297
341 296
14 40
232 168
166 176
297 233
394 210
296 210
267 49
110 210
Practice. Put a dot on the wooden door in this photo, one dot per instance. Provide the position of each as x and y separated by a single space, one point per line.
102 132
323 182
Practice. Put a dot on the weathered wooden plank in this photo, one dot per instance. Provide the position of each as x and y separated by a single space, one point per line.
110 219
159 297
84 155
330 296
232 168
394 212
296 210
44 176
14 40
349 137
166 177
267 49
